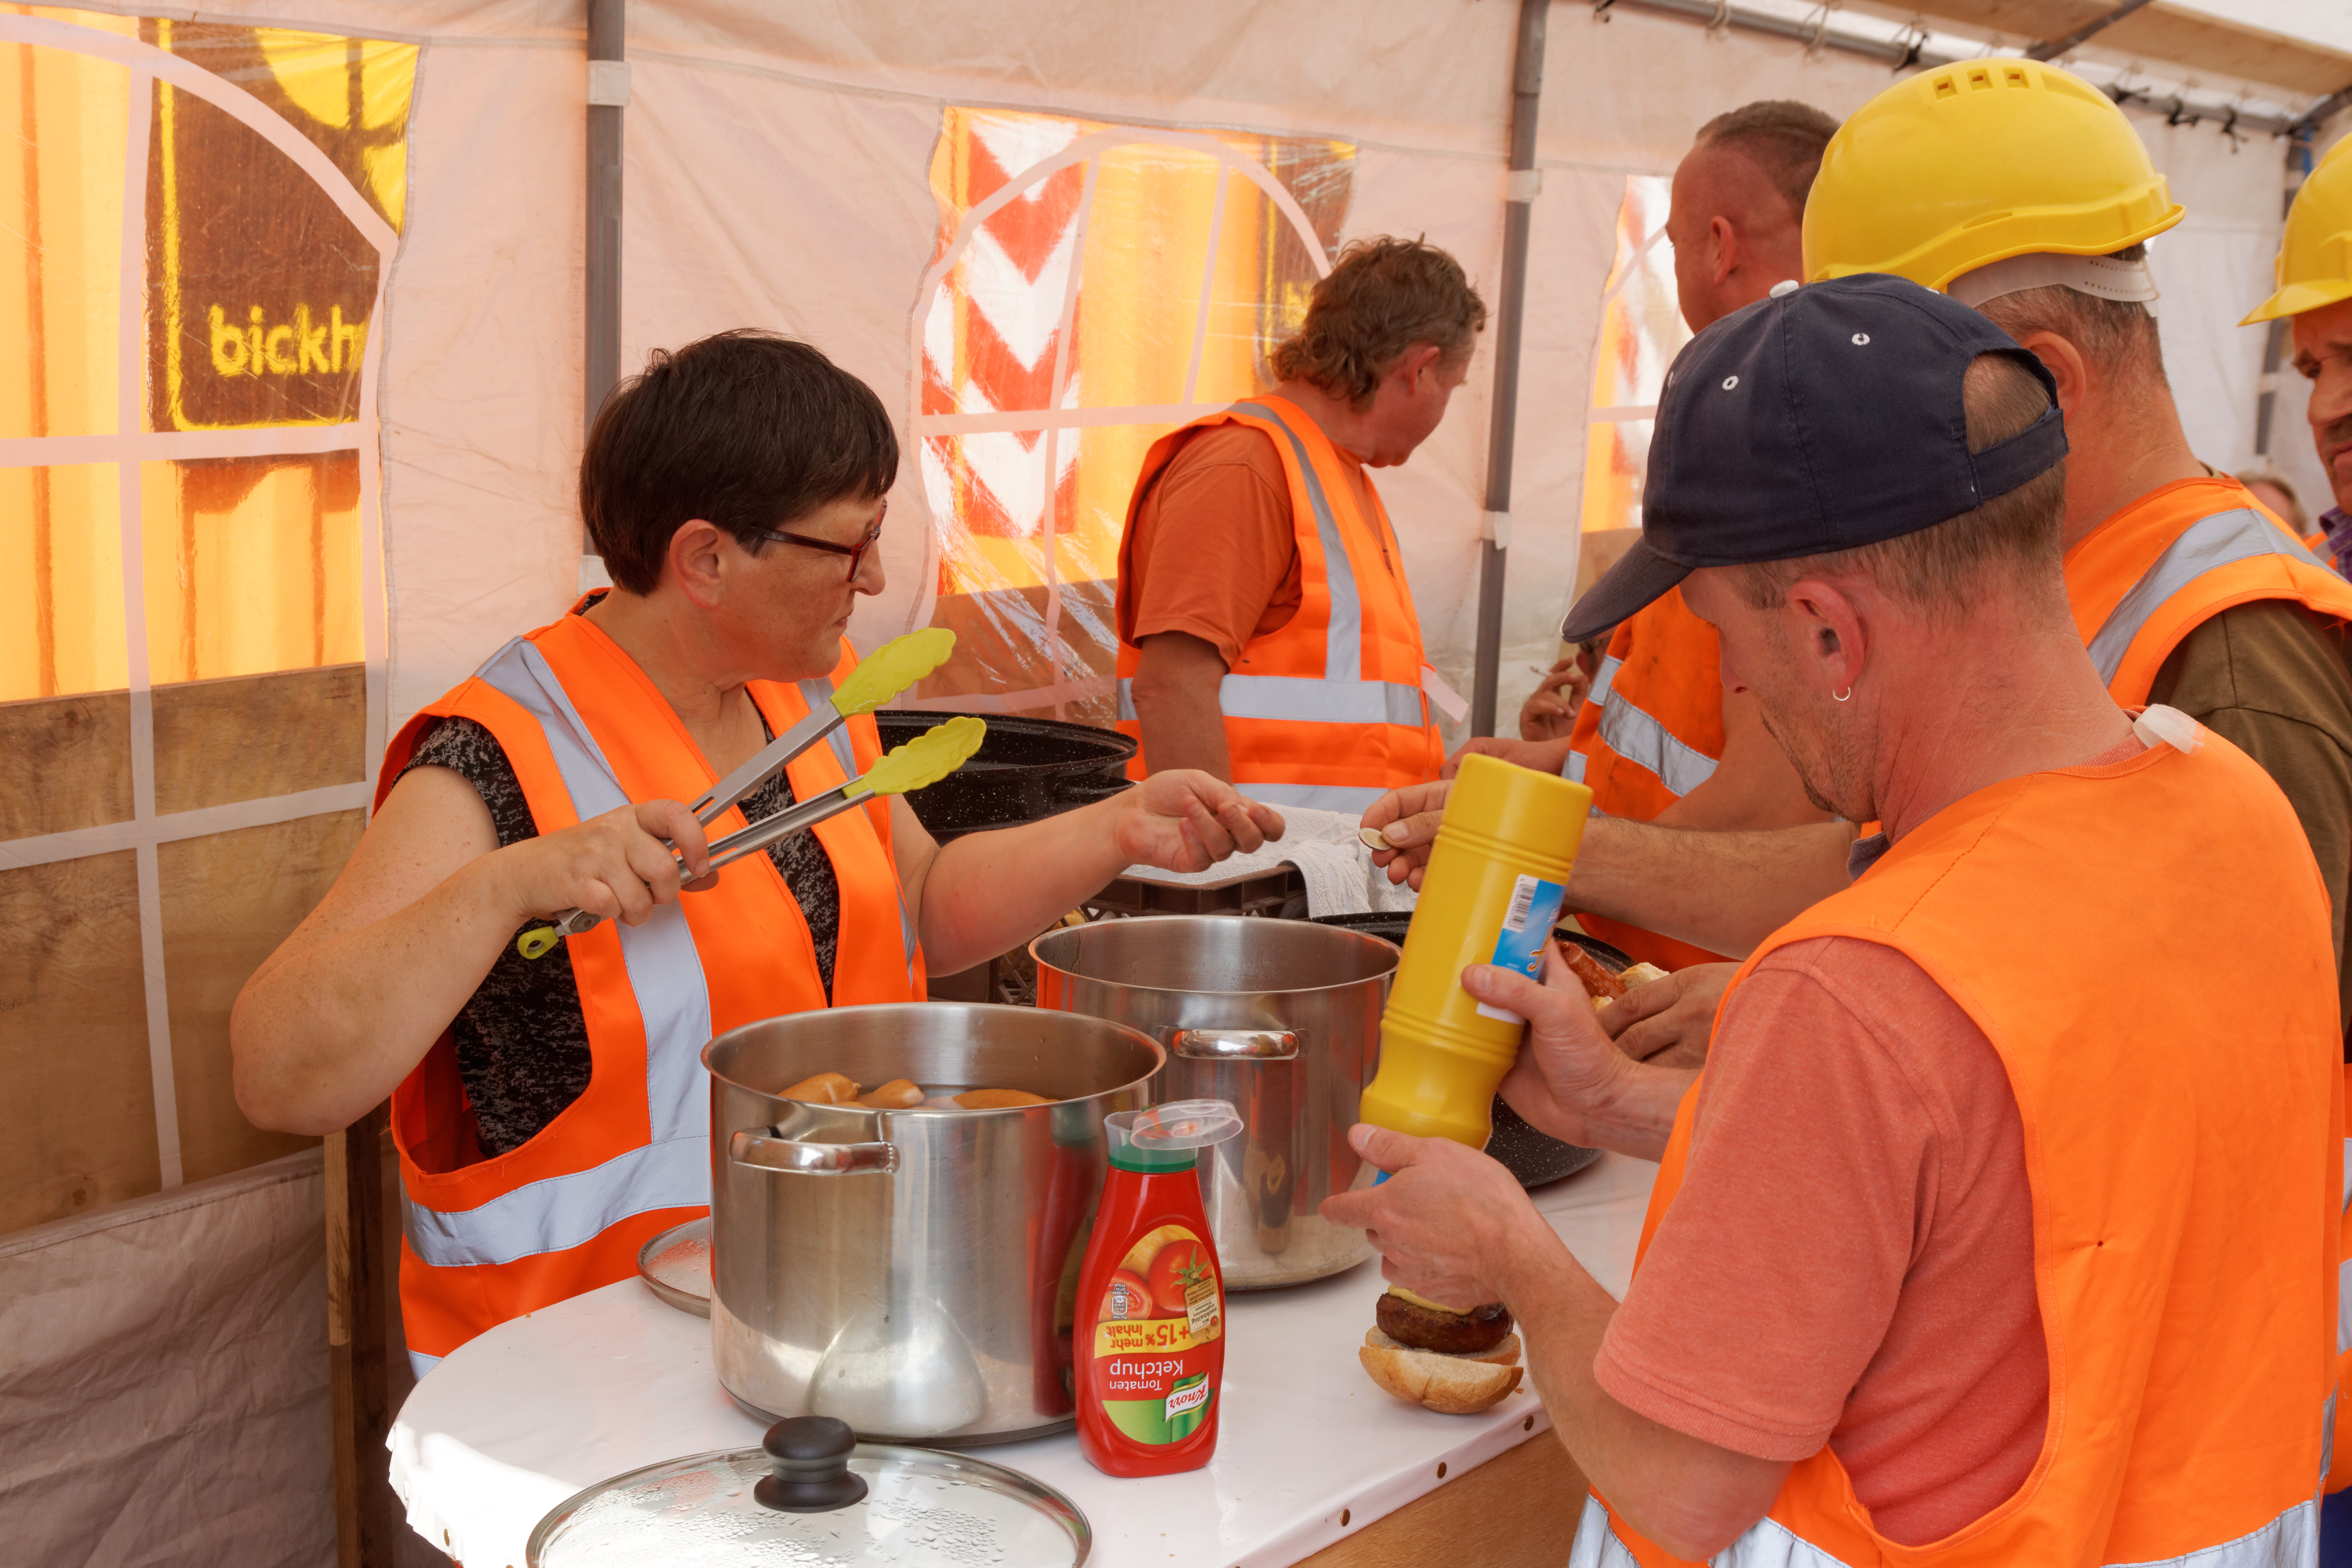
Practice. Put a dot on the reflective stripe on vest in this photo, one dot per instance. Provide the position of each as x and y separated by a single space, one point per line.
1343 637
672 1169
2206 545
1312 797
1301 699
2287 1541
1641 740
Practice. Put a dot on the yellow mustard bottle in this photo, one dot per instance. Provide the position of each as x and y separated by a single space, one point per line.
1497 875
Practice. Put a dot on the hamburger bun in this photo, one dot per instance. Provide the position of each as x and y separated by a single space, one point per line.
1450 1384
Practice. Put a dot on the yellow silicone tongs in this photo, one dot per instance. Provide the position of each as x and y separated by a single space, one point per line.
922 762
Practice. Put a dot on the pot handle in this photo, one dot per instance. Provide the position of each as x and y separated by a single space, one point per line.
1236 1045
761 1147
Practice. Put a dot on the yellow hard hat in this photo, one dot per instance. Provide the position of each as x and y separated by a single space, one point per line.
1975 162
2314 259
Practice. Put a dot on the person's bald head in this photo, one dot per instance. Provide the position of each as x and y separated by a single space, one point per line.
1737 214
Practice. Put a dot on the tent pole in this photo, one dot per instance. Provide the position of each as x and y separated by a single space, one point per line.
1526 88
608 94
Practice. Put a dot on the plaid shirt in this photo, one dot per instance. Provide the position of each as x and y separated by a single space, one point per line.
2338 526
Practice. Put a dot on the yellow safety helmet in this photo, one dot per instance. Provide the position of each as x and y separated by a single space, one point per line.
1975 162
2314 259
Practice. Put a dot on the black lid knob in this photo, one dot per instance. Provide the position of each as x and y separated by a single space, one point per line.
808 1459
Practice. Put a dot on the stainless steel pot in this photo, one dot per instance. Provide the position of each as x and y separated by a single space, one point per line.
910 1272
1282 1018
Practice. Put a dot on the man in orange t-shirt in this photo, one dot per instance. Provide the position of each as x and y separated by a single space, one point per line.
1869 1272
1211 562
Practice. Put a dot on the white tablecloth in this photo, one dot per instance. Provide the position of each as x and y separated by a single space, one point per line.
520 1419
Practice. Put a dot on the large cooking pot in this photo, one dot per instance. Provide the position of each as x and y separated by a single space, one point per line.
1280 1017
1533 1158
1025 769
903 1270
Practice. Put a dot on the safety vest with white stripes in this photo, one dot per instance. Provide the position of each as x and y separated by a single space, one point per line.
488 1239
2183 1145
1649 731
2174 559
1328 711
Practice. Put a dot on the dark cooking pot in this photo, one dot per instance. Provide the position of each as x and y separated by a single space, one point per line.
1025 769
1530 1155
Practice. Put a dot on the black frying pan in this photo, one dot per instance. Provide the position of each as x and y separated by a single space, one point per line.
1028 768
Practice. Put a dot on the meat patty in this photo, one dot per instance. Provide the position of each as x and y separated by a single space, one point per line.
1454 1334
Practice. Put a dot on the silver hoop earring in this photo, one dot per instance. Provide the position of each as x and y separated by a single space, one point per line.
1844 696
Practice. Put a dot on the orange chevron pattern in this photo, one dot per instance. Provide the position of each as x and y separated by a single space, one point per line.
1116 281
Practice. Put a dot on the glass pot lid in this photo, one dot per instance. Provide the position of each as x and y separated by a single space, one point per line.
812 1496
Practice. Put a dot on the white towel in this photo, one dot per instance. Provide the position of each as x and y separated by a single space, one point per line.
1338 869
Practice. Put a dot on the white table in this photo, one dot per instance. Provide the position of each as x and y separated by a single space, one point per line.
515 1422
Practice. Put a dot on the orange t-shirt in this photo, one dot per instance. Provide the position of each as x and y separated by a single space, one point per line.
1850 1257
1214 553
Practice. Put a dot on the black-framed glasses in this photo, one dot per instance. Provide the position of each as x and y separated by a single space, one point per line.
856 553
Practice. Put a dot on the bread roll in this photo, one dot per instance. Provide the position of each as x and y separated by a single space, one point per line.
824 1089
1449 1385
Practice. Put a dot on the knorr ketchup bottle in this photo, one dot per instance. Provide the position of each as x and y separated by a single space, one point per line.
1151 1332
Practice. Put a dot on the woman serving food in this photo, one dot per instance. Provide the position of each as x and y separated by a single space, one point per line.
552 1113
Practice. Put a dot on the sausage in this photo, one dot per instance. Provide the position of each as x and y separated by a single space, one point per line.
1454 1334
1603 985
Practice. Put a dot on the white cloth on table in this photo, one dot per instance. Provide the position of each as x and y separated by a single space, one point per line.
1335 865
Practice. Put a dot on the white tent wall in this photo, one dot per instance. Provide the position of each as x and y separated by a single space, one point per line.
777 176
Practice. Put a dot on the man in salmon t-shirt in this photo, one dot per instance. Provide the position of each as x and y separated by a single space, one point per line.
1266 631
1966 1195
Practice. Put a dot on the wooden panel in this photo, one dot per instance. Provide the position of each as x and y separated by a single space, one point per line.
229 899
2214 44
65 762
1518 1510
254 735
80 1126
359 1262
2162 35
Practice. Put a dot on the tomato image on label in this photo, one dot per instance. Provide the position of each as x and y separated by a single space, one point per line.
1180 1271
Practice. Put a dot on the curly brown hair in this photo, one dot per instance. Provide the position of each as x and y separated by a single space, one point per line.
1384 296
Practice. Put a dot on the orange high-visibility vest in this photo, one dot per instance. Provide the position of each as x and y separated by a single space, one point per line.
486 1239
2174 559
2146 946
1329 711
1649 731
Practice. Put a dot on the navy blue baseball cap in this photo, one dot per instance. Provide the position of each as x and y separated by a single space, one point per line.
1826 417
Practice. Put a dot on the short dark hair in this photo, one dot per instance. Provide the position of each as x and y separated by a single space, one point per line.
1383 295
1943 570
748 430
1786 139
2117 335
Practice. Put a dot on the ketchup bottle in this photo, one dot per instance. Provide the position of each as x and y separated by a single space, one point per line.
1149 1340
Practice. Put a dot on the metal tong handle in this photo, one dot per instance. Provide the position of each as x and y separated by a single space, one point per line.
777 753
880 676
541 939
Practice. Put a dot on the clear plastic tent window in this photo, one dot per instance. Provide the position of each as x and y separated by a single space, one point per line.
1641 330
1093 287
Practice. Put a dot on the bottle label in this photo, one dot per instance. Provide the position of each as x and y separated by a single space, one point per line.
1526 932
1162 1312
